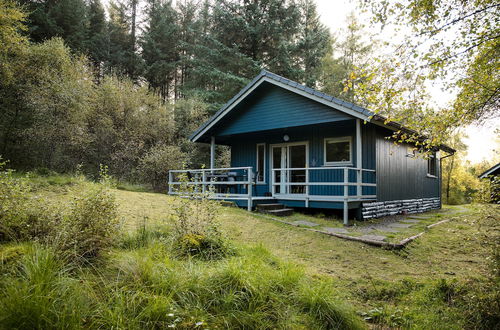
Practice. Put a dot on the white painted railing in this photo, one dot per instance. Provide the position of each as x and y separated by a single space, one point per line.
286 182
215 180
237 178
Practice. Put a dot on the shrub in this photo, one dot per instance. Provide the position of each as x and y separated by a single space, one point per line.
82 229
196 230
154 166
91 223
15 222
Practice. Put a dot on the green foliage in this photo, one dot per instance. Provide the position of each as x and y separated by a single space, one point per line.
81 230
125 123
18 218
11 37
45 108
466 65
385 315
196 231
96 43
65 19
251 290
41 294
347 57
143 284
144 235
460 180
90 225
160 48
156 163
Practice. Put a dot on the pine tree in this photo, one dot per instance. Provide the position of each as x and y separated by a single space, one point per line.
63 18
313 44
160 48
285 37
97 36
122 57
348 56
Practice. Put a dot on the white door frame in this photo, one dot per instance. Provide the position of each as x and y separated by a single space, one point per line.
284 179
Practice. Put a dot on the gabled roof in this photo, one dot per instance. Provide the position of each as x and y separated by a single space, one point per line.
335 103
490 171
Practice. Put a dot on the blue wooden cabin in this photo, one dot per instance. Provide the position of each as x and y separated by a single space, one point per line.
294 145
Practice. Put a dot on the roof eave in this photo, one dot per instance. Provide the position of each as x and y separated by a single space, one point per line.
395 126
486 173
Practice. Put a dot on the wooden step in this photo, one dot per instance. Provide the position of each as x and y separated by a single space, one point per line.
267 207
280 212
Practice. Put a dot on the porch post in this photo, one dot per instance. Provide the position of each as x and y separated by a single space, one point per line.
212 152
359 161
346 197
170 180
249 189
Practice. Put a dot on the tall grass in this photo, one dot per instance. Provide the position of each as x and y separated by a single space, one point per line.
250 290
43 295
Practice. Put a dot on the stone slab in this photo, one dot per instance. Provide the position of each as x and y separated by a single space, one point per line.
422 217
410 220
305 223
373 237
400 225
336 230
387 229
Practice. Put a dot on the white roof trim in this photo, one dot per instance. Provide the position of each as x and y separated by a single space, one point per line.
287 87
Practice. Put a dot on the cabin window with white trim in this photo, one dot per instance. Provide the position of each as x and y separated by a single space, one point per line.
338 151
432 165
261 163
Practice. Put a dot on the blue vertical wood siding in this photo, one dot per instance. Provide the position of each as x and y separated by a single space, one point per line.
399 176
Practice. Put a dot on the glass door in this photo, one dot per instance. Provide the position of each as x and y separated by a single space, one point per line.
288 158
279 161
297 159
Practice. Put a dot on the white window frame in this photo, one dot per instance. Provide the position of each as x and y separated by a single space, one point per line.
257 169
434 158
337 139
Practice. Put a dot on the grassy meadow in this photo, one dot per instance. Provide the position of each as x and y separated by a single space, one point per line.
269 275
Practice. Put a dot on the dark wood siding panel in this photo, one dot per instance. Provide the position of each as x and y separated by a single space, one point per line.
400 176
274 107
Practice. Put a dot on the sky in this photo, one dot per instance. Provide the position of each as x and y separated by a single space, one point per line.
480 141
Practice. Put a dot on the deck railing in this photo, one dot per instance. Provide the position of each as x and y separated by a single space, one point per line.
287 178
299 184
225 183
337 184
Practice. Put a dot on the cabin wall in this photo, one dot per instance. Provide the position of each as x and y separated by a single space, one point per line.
400 176
244 151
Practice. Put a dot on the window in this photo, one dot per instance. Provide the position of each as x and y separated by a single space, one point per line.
338 151
261 163
432 166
